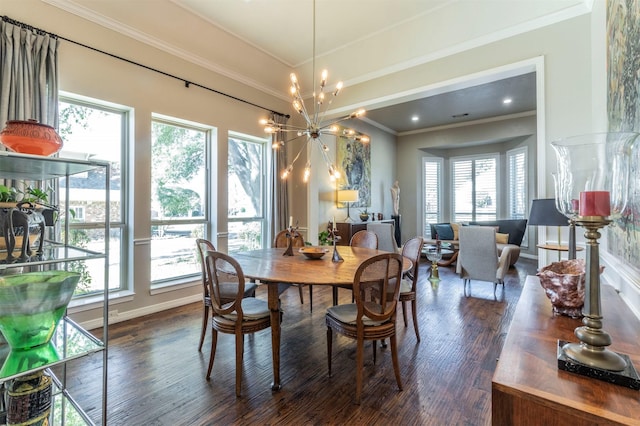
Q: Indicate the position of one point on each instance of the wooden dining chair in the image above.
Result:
(281, 241)
(203, 246)
(369, 318)
(242, 315)
(412, 250)
(363, 238)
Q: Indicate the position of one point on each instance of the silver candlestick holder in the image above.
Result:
(333, 234)
(292, 233)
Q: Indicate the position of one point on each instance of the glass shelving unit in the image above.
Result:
(70, 341)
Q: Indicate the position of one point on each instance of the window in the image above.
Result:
(517, 169)
(179, 198)
(92, 130)
(474, 181)
(247, 192)
(432, 173)
(78, 213)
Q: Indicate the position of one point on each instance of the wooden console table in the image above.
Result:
(347, 229)
(529, 389)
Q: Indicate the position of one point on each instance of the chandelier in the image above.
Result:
(314, 126)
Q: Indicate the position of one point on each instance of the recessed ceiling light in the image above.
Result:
(507, 101)
(415, 118)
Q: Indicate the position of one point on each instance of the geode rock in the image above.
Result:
(564, 283)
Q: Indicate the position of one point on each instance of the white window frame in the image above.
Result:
(512, 156)
(496, 157)
(265, 238)
(205, 220)
(124, 272)
(439, 188)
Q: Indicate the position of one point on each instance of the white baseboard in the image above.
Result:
(115, 316)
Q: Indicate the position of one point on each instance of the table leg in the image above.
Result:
(274, 307)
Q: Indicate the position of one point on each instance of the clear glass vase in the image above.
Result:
(593, 174)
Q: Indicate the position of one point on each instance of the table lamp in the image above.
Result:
(544, 213)
(348, 196)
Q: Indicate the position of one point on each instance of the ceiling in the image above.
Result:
(281, 31)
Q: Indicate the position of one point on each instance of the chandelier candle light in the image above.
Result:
(592, 190)
(314, 126)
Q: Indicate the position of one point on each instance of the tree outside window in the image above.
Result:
(178, 199)
(246, 179)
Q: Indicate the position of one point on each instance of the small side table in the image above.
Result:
(435, 256)
(557, 247)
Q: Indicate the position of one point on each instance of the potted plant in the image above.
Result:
(364, 215)
(323, 238)
(29, 197)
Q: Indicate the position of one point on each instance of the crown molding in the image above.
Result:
(149, 40)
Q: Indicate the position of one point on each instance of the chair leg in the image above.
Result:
(300, 293)
(404, 313)
(359, 368)
(375, 351)
(414, 312)
(214, 342)
(394, 358)
(205, 325)
(329, 344)
(311, 298)
(239, 354)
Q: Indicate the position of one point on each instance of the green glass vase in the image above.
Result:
(32, 304)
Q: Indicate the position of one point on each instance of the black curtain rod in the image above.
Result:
(187, 83)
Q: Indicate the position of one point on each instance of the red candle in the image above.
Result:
(595, 203)
(575, 204)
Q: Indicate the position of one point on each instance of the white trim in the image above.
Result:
(162, 45)
(90, 303)
(115, 316)
(623, 278)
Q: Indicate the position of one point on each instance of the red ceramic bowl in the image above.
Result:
(30, 137)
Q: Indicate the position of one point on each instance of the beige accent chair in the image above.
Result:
(385, 233)
(478, 257)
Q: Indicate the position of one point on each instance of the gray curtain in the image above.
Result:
(279, 192)
(28, 74)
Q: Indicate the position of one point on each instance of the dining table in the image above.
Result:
(271, 266)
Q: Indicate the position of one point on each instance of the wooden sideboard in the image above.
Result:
(347, 229)
(529, 389)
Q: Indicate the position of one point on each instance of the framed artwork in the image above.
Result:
(353, 160)
(623, 107)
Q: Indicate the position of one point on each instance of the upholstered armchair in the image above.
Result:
(385, 232)
(478, 257)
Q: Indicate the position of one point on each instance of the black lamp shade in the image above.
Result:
(544, 213)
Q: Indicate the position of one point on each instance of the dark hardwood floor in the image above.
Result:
(157, 376)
